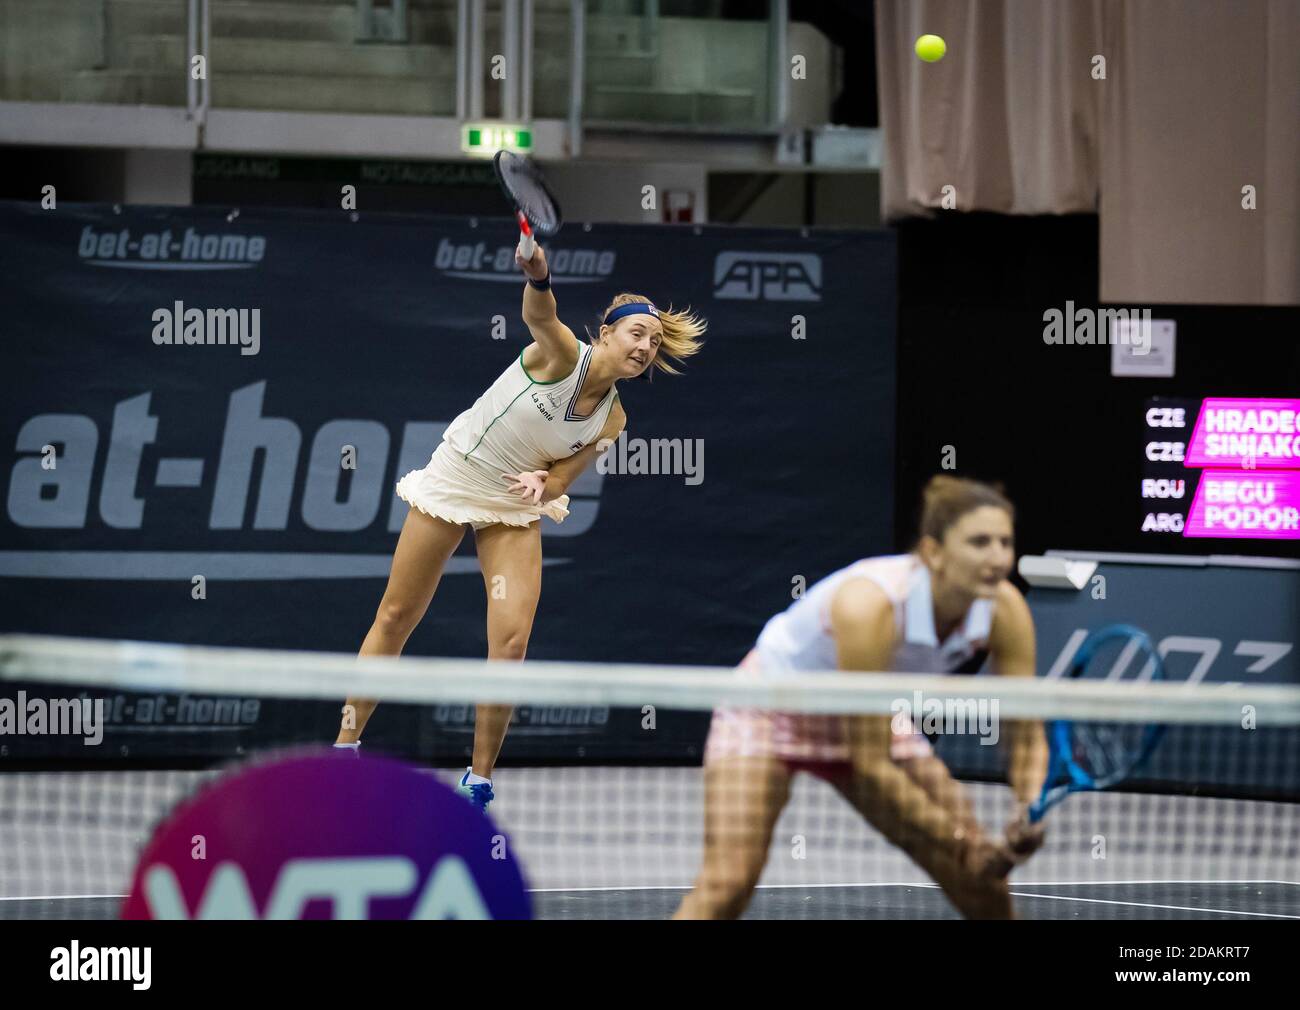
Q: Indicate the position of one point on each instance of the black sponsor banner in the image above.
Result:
(181, 387)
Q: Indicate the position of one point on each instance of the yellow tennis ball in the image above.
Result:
(930, 48)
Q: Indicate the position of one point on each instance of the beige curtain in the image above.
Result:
(1201, 98)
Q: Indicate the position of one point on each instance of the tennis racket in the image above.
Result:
(535, 206)
(1098, 755)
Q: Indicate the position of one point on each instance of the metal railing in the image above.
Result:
(199, 35)
(577, 76)
(517, 21)
(627, 67)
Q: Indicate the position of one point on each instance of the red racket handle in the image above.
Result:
(526, 242)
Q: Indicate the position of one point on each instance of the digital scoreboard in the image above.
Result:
(1221, 467)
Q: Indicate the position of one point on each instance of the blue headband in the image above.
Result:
(630, 309)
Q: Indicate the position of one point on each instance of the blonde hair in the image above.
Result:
(682, 331)
(946, 499)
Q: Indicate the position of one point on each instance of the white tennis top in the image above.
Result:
(522, 424)
(800, 638)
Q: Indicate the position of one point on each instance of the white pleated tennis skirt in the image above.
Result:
(467, 492)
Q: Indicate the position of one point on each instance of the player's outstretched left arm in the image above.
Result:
(1013, 651)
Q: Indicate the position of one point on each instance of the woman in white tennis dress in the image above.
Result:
(944, 608)
(502, 465)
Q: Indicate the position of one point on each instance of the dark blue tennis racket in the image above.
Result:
(535, 206)
(1098, 755)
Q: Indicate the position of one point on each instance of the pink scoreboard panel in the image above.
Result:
(1222, 468)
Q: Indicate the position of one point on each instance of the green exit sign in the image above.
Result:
(487, 138)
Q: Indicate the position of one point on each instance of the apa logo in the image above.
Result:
(348, 884)
(768, 276)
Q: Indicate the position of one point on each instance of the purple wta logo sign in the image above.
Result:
(325, 837)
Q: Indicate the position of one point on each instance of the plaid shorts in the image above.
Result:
(795, 737)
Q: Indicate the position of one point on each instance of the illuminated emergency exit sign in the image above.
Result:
(487, 138)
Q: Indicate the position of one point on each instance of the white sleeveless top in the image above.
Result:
(522, 424)
(800, 638)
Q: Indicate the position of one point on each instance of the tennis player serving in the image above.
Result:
(944, 608)
(502, 465)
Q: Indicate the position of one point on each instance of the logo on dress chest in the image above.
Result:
(540, 402)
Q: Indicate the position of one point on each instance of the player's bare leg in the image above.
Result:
(511, 560)
(423, 548)
(743, 797)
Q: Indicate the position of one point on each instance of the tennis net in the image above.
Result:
(602, 795)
